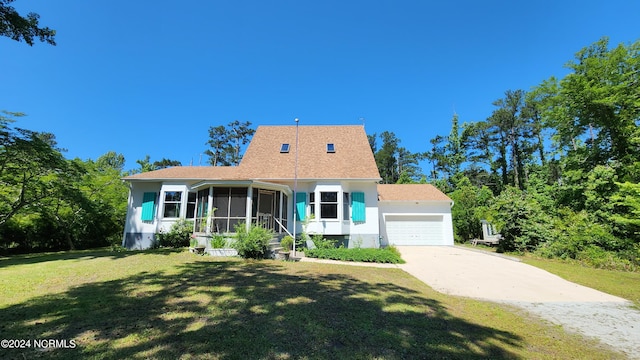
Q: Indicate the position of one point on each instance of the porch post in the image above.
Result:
(248, 211)
(209, 219)
(280, 210)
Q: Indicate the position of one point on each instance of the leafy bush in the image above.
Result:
(580, 237)
(287, 243)
(178, 236)
(321, 243)
(470, 206)
(251, 244)
(118, 248)
(218, 241)
(301, 243)
(575, 232)
(521, 221)
(393, 249)
(193, 242)
(385, 255)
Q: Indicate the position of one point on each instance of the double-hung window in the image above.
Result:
(172, 200)
(328, 204)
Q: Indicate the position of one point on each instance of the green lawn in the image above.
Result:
(173, 304)
(624, 284)
(619, 283)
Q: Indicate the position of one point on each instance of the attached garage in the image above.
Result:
(415, 230)
(414, 214)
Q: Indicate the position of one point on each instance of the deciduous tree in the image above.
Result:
(23, 28)
(226, 142)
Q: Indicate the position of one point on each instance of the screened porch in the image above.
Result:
(219, 209)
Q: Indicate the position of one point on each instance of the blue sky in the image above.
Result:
(150, 77)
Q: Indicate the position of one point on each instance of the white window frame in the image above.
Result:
(166, 202)
(336, 203)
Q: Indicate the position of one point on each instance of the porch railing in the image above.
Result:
(283, 227)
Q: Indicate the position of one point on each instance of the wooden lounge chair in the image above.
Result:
(489, 235)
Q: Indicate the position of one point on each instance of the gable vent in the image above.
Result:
(331, 148)
(284, 148)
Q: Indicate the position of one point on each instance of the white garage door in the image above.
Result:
(414, 230)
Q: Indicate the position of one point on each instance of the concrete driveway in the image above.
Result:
(465, 272)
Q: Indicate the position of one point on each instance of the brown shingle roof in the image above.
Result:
(410, 192)
(191, 173)
(353, 158)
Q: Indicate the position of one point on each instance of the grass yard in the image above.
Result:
(173, 304)
(624, 284)
(619, 283)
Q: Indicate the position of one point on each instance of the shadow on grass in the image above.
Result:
(78, 254)
(248, 310)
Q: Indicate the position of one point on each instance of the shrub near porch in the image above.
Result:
(252, 243)
(383, 255)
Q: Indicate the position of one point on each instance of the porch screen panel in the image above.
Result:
(221, 214)
(221, 225)
(233, 223)
(254, 204)
(301, 205)
(358, 209)
(238, 203)
(221, 202)
(203, 203)
(148, 206)
(202, 210)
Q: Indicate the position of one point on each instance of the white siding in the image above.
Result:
(360, 234)
(134, 227)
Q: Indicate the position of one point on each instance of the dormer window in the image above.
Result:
(284, 148)
(331, 148)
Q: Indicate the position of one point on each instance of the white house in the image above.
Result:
(332, 184)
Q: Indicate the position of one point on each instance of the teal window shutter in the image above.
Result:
(148, 206)
(301, 206)
(358, 209)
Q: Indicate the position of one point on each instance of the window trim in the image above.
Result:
(165, 202)
(312, 204)
(331, 148)
(335, 203)
(345, 206)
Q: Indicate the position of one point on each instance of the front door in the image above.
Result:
(266, 208)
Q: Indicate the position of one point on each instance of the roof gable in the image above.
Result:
(351, 157)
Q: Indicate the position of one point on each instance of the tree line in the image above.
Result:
(51, 203)
(556, 168)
